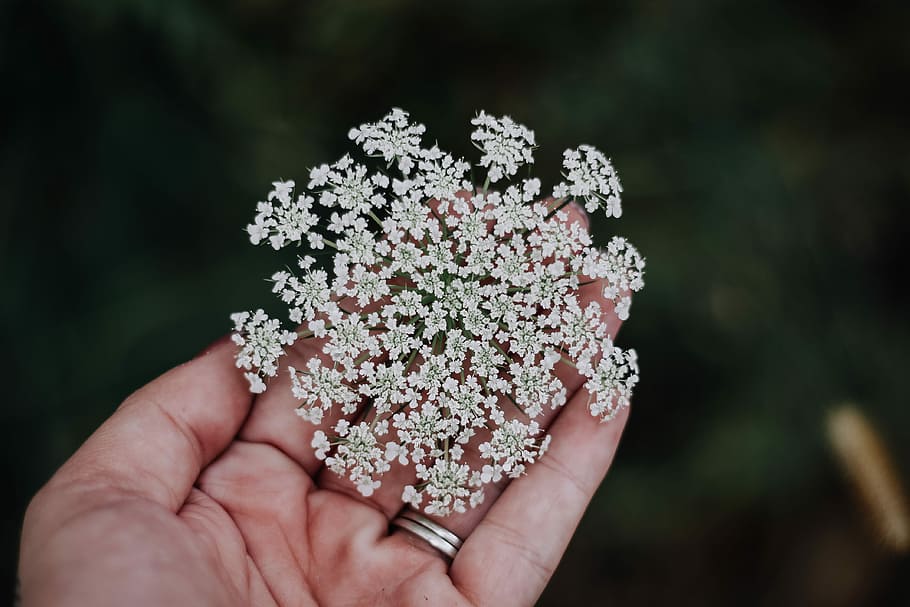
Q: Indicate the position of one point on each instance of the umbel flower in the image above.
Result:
(446, 309)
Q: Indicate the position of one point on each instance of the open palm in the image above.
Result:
(194, 493)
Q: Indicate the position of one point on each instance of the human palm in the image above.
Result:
(192, 493)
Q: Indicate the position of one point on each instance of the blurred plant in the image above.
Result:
(864, 457)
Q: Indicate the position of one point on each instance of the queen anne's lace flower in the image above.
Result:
(261, 340)
(286, 222)
(446, 310)
(392, 138)
(590, 176)
(506, 145)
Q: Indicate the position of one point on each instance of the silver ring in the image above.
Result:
(433, 526)
(429, 531)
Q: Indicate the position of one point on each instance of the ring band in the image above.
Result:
(429, 531)
(433, 526)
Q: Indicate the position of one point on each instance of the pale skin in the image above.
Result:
(195, 492)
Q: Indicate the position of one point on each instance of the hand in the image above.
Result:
(194, 493)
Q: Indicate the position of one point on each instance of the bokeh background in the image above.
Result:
(764, 151)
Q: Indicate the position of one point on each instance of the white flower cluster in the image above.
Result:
(590, 176)
(447, 309)
(392, 137)
(506, 145)
(261, 340)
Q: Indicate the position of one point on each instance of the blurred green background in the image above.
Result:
(764, 151)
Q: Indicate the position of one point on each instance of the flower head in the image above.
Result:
(591, 177)
(447, 309)
(506, 145)
(393, 138)
(261, 340)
